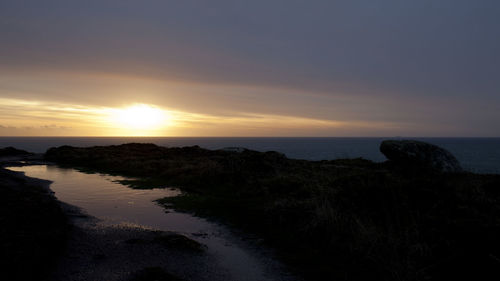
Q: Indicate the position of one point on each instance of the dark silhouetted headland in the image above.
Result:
(11, 152)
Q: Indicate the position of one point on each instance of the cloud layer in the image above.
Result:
(431, 67)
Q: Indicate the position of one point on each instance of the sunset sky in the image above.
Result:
(250, 68)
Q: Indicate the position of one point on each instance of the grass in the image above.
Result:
(348, 219)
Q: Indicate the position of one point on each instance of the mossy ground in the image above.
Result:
(348, 219)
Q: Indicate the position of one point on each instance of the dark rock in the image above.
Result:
(170, 240)
(135, 241)
(177, 241)
(34, 227)
(234, 149)
(421, 154)
(154, 274)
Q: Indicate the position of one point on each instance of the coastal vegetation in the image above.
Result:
(346, 219)
(12, 152)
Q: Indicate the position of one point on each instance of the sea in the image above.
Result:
(480, 155)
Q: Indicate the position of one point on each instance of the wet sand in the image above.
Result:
(101, 252)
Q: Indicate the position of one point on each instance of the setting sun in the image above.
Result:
(140, 117)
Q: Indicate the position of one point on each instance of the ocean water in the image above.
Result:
(481, 155)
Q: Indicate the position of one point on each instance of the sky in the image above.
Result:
(250, 68)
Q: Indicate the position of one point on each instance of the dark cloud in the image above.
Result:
(435, 47)
(393, 51)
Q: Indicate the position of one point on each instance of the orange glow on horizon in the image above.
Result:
(41, 118)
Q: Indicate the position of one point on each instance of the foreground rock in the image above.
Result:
(154, 273)
(411, 153)
(33, 227)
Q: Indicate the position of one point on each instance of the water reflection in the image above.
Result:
(98, 195)
(102, 196)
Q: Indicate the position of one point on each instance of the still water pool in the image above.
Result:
(102, 196)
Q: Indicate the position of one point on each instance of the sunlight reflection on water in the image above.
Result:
(102, 196)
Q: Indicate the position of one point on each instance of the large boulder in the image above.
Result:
(411, 153)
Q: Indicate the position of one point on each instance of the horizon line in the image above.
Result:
(318, 137)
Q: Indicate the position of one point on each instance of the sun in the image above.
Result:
(140, 117)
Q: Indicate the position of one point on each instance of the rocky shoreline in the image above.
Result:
(411, 218)
(414, 217)
(127, 252)
(34, 227)
(90, 249)
(66, 244)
